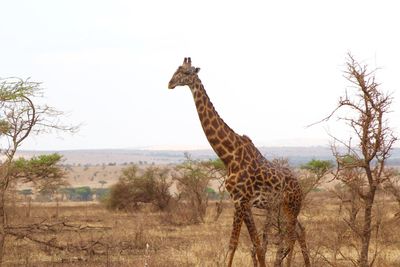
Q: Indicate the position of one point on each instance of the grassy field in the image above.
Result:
(89, 235)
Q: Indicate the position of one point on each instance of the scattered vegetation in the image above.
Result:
(356, 219)
(131, 239)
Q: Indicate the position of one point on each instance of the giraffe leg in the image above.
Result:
(264, 243)
(287, 245)
(254, 257)
(289, 258)
(267, 226)
(233, 243)
(251, 227)
(301, 237)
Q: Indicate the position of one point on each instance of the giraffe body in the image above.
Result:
(252, 179)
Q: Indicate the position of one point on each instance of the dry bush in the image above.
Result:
(392, 186)
(331, 240)
(179, 213)
(135, 186)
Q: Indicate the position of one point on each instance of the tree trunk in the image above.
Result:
(366, 230)
(218, 209)
(2, 225)
(29, 203)
(57, 207)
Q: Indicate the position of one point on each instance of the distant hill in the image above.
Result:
(90, 167)
(296, 155)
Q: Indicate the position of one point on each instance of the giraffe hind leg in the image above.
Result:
(301, 237)
(264, 244)
(285, 247)
(288, 239)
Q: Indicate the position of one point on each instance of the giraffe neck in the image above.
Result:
(221, 137)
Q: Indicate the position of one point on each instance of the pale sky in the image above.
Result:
(269, 67)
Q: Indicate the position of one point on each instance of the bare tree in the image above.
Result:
(362, 165)
(20, 117)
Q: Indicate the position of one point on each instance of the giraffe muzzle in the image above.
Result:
(171, 86)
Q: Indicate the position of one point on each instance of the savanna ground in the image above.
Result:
(90, 235)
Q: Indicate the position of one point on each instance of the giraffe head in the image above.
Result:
(184, 75)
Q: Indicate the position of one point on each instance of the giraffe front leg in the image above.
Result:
(237, 224)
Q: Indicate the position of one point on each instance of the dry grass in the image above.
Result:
(174, 244)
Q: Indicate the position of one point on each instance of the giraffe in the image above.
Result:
(252, 180)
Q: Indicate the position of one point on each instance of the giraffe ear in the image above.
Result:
(197, 70)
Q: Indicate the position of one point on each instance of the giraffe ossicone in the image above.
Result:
(252, 181)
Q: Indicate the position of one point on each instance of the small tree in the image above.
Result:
(44, 172)
(362, 167)
(192, 179)
(316, 171)
(26, 193)
(102, 182)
